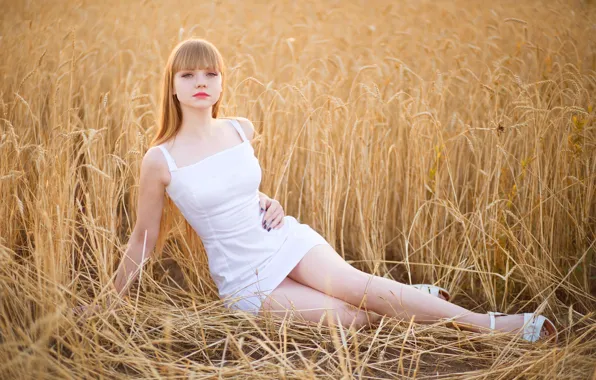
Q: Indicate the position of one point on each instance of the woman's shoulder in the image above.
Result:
(154, 156)
(154, 161)
(247, 126)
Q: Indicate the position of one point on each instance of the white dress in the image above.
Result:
(219, 197)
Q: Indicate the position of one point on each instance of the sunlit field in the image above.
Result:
(442, 142)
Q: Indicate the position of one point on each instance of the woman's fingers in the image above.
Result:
(79, 311)
(278, 222)
(85, 310)
(276, 219)
(264, 202)
(273, 220)
(273, 212)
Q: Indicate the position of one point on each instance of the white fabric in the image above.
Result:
(219, 198)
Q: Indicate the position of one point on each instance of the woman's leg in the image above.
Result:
(310, 304)
(325, 270)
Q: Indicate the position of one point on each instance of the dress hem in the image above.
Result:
(249, 300)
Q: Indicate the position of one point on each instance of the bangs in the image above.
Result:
(197, 55)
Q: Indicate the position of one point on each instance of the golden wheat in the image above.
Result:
(442, 142)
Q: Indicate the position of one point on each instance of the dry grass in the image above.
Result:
(447, 142)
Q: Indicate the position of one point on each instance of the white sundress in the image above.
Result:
(219, 198)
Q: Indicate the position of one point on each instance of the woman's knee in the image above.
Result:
(323, 269)
(348, 315)
(312, 305)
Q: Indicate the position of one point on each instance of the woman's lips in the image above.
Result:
(201, 95)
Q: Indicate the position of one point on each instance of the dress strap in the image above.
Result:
(169, 158)
(238, 127)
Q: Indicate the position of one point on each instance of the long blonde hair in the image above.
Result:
(190, 54)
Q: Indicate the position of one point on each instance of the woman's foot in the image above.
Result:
(515, 323)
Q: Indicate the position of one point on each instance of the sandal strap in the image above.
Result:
(431, 289)
(491, 315)
(533, 326)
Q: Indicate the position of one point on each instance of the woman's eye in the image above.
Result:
(185, 75)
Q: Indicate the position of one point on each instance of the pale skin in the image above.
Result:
(322, 281)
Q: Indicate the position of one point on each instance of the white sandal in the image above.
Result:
(433, 290)
(533, 324)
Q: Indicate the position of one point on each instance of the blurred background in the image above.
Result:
(444, 142)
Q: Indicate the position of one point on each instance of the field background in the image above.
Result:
(448, 142)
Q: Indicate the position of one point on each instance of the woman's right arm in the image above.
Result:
(153, 180)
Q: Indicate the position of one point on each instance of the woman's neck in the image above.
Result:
(197, 123)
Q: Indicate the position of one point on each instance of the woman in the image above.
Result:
(261, 260)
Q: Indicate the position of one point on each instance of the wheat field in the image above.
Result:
(445, 142)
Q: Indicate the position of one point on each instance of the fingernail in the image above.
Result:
(269, 229)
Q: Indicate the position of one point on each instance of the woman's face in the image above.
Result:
(188, 83)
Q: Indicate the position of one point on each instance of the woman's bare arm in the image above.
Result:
(153, 179)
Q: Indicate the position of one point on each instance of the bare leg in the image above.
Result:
(325, 270)
(311, 305)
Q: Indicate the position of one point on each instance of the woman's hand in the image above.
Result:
(86, 311)
(274, 213)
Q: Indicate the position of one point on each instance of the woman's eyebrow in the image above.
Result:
(191, 70)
